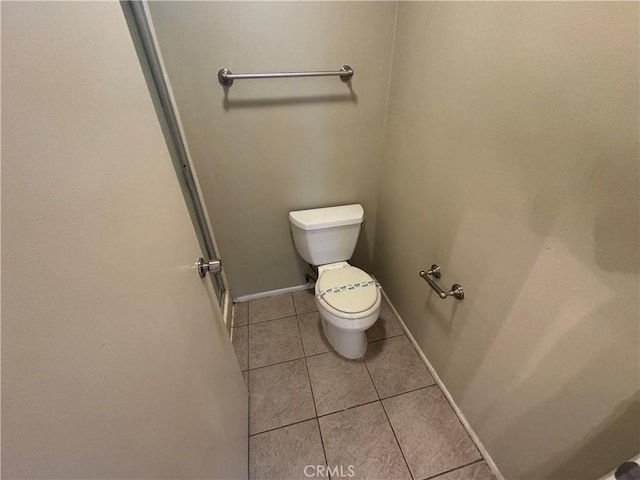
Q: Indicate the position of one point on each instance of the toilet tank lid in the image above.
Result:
(317, 218)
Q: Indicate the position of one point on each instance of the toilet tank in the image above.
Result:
(326, 235)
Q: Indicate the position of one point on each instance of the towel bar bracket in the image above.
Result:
(223, 77)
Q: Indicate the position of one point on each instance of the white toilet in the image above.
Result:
(348, 299)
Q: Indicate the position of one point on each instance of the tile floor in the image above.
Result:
(381, 417)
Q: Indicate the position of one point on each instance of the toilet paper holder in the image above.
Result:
(456, 290)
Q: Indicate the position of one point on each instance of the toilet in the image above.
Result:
(347, 298)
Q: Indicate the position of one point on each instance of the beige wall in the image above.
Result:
(512, 161)
(115, 358)
(272, 146)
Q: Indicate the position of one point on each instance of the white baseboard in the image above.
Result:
(271, 293)
(483, 451)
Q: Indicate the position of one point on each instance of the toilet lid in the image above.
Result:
(348, 289)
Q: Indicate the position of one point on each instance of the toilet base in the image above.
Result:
(350, 345)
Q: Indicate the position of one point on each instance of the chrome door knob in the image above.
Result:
(213, 266)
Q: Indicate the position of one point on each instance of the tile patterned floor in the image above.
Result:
(381, 417)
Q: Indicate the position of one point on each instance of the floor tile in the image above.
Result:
(274, 341)
(240, 340)
(338, 383)
(245, 375)
(240, 314)
(270, 308)
(279, 395)
(430, 434)
(395, 367)
(477, 471)
(386, 326)
(313, 337)
(284, 453)
(362, 437)
(305, 301)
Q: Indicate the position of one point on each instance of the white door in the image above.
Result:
(115, 358)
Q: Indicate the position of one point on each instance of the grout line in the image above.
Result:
(410, 391)
(373, 341)
(248, 415)
(293, 302)
(248, 302)
(272, 293)
(453, 469)
(248, 348)
(348, 408)
(324, 453)
(316, 354)
(313, 397)
(271, 319)
(388, 421)
(387, 338)
(283, 426)
(397, 441)
(248, 381)
(249, 367)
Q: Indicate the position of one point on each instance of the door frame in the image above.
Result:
(141, 26)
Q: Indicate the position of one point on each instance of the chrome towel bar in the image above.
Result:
(456, 290)
(226, 77)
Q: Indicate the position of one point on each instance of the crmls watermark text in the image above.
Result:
(337, 471)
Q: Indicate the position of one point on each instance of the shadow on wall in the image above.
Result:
(583, 459)
(614, 436)
(228, 103)
(445, 319)
(616, 185)
(591, 451)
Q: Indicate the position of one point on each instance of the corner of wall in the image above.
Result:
(386, 118)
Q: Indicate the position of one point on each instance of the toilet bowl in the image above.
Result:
(347, 298)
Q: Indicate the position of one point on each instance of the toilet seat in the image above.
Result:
(347, 291)
(336, 291)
